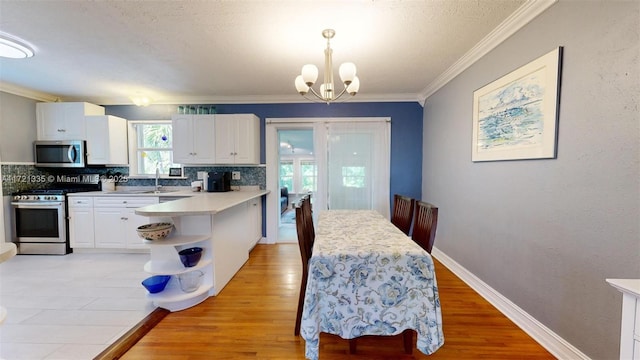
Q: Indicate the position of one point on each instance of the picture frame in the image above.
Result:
(516, 116)
(175, 172)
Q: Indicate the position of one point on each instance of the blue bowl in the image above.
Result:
(190, 256)
(156, 283)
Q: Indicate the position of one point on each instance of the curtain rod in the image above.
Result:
(325, 120)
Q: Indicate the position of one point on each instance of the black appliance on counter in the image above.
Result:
(39, 217)
(219, 181)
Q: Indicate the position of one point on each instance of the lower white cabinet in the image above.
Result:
(255, 221)
(81, 232)
(115, 221)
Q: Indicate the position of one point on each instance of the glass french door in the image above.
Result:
(352, 157)
(357, 163)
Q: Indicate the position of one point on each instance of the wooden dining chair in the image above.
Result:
(305, 242)
(407, 342)
(305, 204)
(402, 214)
(424, 225)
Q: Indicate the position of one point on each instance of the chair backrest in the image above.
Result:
(304, 241)
(305, 204)
(402, 214)
(424, 225)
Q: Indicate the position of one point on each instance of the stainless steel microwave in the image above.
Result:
(63, 153)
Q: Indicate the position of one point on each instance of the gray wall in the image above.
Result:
(546, 233)
(17, 128)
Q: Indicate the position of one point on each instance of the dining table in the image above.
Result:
(366, 277)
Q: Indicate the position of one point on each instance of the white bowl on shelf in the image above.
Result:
(155, 231)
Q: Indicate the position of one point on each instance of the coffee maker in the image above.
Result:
(219, 181)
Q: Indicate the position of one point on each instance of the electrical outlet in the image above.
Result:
(202, 175)
(235, 175)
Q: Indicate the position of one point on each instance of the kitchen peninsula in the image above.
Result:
(222, 224)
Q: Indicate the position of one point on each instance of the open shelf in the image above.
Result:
(159, 267)
(175, 240)
(173, 298)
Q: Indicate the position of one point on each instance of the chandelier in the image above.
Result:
(327, 93)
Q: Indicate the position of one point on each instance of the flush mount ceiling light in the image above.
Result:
(141, 100)
(327, 93)
(14, 48)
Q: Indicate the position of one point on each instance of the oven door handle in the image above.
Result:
(41, 205)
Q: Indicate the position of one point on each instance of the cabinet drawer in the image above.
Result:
(79, 202)
(125, 202)
(636, 332)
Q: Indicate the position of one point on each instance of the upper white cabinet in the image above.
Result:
(193, 137)
(64, 121)
(106, 140)
(237, 139)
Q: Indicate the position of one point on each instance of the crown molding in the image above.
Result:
(282, 99)
(27, 93)
(516, 21)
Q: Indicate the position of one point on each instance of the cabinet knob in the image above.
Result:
(124, 218)
(61, 130)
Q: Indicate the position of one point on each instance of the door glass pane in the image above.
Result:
(309, 174)
(286, 174)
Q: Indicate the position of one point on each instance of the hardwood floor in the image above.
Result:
(253, 318)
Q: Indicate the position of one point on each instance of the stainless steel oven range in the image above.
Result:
(39, 217)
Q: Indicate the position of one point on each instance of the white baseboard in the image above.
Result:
(556, 345)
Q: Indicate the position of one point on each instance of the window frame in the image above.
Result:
(297, 161)
(132, 134)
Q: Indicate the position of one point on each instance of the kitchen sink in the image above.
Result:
(158, 191)
(143, 191)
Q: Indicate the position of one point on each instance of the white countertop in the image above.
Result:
(167, 192)
(7, 251)
(203, 203)
(629, 286)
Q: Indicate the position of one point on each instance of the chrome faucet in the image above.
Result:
(157, 176)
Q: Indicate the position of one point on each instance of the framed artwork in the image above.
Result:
(175, 172)
(516, 116)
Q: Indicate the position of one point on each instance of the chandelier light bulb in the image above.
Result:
(347, 72)
(354, 86)
(310, 74)
(301, 86)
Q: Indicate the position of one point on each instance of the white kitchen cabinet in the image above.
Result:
(237, 139)
(81, 233)
(64, 121)
(193, 137)
(106, 140)
(255, 221)
(115, 221)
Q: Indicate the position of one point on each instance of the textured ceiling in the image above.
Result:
(237, 51)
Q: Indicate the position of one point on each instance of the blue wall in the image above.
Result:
(406, 129)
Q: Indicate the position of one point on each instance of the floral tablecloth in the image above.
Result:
(366, 277)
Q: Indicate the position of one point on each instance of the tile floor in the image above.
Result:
(69, 307)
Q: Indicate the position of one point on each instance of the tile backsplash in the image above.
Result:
(26, 177)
